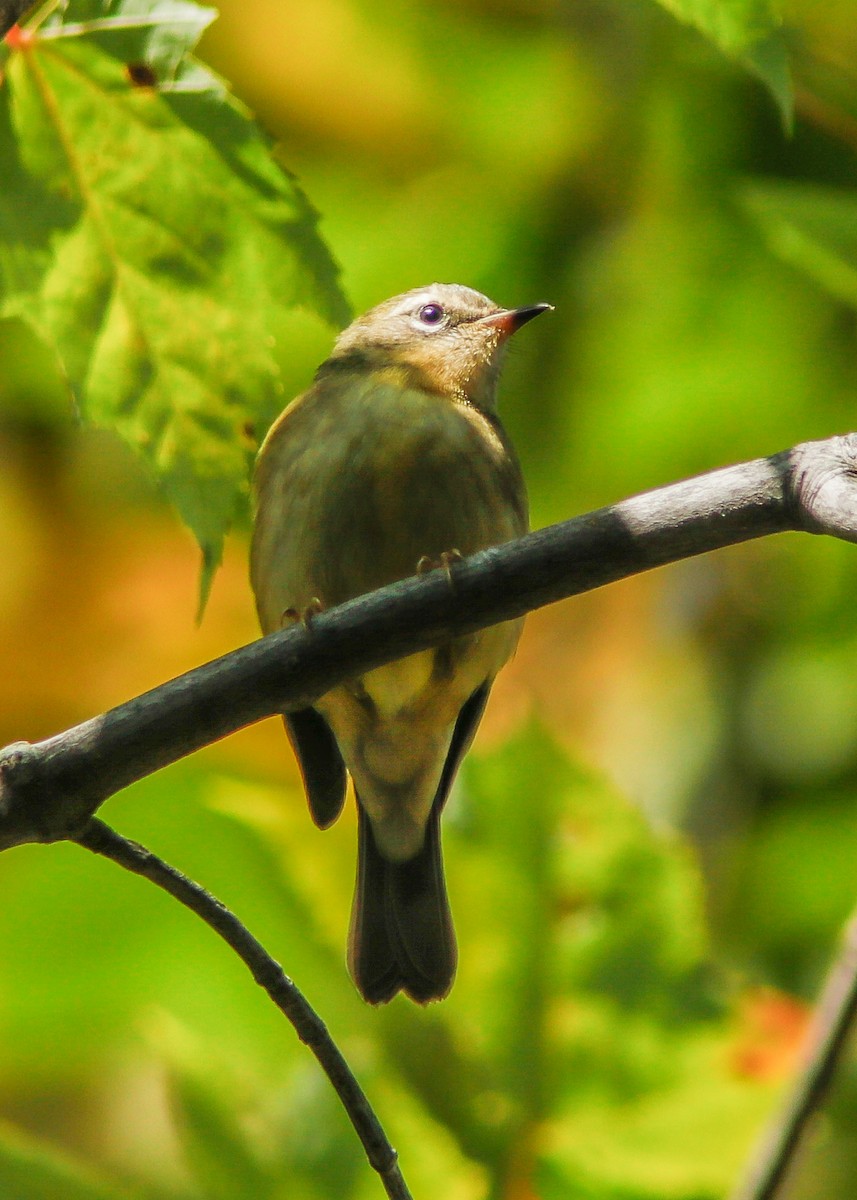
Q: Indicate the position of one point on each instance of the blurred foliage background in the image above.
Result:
(652, 848)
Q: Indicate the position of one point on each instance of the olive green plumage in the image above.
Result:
(394, 455)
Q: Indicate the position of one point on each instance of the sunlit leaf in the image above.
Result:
(734, 25)
(151, 238)
(749, 31)
(157, 33)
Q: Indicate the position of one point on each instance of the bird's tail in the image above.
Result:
(401, 935)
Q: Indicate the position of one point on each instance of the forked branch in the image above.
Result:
(49, 790)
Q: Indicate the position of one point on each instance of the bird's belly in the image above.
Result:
(433, 685)
(395, 725)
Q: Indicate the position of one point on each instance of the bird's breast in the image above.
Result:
(360, 481)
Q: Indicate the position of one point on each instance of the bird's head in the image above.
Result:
(443, 338)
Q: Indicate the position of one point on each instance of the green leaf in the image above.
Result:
(811, 226)
(151, 238)
(610, 1036)
(733, 25)
(522, 842)
(159, 33)
(749, 31)
(768, 59)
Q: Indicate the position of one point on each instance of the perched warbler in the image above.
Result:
(395, 458)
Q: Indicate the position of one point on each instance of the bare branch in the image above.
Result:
(312, 1031)
(48, 791)
(834, 1021)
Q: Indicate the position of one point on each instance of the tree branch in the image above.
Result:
(312, 1031)
(49, 790)
(11, 12)
(834, 1020)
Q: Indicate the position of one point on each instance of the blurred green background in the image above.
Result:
(652, 849)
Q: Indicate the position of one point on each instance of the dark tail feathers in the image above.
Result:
(401, 934)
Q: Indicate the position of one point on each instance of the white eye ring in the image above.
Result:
(431, 315)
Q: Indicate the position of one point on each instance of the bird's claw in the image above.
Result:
(291, 616)
(444, 562)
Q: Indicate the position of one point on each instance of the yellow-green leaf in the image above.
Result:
(151, 238)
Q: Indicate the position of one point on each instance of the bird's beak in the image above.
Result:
(510, 320)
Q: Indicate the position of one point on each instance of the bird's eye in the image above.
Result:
(431, 314)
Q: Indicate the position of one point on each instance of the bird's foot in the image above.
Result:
(291, 616)
(444, 563)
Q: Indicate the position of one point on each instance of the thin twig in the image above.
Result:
(48, 791)
(834, 1021)
(101, 839)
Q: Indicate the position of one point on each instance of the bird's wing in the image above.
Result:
(320, 762)
(463, 734)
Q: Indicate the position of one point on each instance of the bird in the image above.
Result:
(393, 462)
